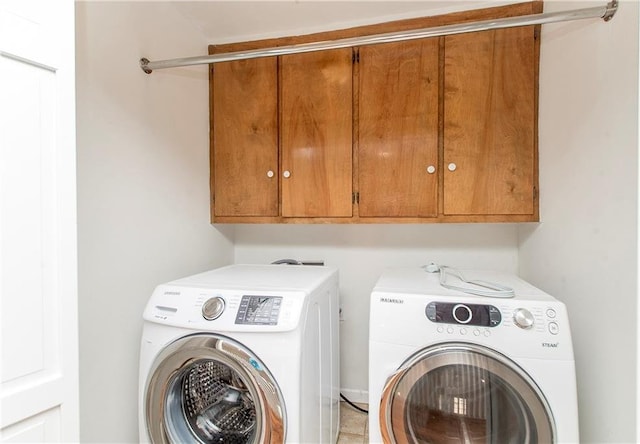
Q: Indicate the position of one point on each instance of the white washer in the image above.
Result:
(242, 354)
(447, 366)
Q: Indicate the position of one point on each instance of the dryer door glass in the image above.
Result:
(464, 393)
(210, 389)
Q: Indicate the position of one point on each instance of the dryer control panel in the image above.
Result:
(465, 314)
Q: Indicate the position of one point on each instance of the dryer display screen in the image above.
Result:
(259, 310)
(465, 314)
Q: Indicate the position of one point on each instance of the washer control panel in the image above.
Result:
(464, 314)
(230, 310)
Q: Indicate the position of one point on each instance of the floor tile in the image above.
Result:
(352, 421)
(349, 438)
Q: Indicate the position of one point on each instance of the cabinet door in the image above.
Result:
(398, 129)
(489, 122)
(245, 138)
(316, 135)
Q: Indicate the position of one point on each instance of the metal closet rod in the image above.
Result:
(605, 12)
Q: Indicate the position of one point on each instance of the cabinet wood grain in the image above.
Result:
(398, 129)
(316, 139)
(489, 110)
(245, 136)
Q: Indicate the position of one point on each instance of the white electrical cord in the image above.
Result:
(480, 288)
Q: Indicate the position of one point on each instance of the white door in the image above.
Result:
(39, 363)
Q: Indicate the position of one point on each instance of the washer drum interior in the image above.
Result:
(211, 389)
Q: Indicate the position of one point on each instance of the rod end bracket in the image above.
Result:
(144, 65)
(612, 7)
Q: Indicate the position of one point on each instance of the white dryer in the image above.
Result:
(242, 354)
(448, 366)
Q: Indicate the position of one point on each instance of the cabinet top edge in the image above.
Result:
(514, 10)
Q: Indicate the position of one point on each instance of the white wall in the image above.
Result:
(361, 252)
(584, 251)
(143, 193)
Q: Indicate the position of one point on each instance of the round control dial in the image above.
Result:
(213, 308)
(523, 318)
(462, 314)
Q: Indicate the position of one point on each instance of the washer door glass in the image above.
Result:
(463, 393)
(211, 401)
(210, 389)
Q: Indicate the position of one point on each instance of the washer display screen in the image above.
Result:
(466, 314)
(259, 310)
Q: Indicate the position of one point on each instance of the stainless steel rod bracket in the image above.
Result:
(612, 7)
(144, 65)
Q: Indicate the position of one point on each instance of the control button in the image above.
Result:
(463, 331)
(449, 330)
(487, 333)
(553, 328)
(440, 329)
(431, 312)
(551, 313)
(495, 317)
(476, 332)
(213, 308)
(523, 318)
(462, 313)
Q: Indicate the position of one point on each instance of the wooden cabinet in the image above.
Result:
(430, 130)
(244, 132)
(315, 129)
(398, 129)
(489, 115)
(299, 167)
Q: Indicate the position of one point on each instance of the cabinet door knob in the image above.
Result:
(452, 166)
(270, 174)
(431, 169)
(286, 174)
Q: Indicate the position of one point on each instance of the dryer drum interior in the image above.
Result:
(209, 389)
(463, 393)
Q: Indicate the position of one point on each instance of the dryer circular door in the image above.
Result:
(457, 392)
(207, 388)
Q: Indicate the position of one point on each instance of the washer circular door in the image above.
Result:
(457, 392)
(208, 388)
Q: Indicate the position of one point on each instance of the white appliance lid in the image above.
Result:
(416, 280)
(275, 277)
